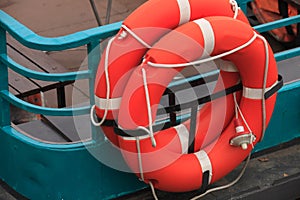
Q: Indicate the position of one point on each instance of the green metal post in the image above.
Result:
(94, 52)
(4, 105)
(243, 5)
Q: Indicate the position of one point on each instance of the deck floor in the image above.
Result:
(266, 177)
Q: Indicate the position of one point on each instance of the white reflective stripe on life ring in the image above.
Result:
(109, 104)
(256, 93)
(204, 162)
(184, 11)
(208, 36)
(226, 66)
(183, 134)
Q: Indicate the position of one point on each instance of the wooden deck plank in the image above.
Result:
(23, 85)
(13, 90)
(38, 62)
(15, 55)
(38, 59)
(76, 128)
(41, 131)
(58, 129)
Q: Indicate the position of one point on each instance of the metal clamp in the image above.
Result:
(243, 140)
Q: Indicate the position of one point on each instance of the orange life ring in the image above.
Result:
(168, 166)
(149, 22)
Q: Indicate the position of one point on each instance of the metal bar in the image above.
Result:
(193, 125)
(55, 128)
(201, 100)
(8, 97)
(193, 81)
(68, 76)
(30, 39)
(108, 11)
(61, 97)
(277, 24)
(4, 105)
(172, 102)
(93, 5)
(206, 76)
(94, 53)
(298, 30)
(283, 55)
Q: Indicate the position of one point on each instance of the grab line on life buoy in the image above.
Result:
(148, 108)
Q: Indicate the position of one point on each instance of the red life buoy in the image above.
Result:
(149, 22)
(168, 166)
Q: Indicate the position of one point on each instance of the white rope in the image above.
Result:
(135, 36)
(235, 106)
(235, 8)
(153, 191)
(138, 147)
(244, 120)
(227, 185)
(107, 87)
(198, 62)
(264, 115)
(150, 131)
(240, 112)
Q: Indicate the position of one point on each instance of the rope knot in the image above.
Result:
(235, 8)
(122, 35)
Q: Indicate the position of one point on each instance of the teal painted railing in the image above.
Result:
(25, 36)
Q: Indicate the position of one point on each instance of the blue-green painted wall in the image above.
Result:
(40, 171)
